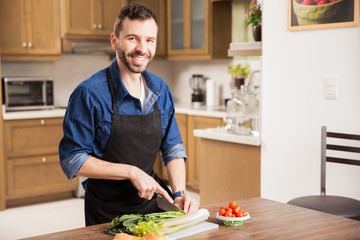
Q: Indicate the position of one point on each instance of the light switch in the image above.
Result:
(330, 87)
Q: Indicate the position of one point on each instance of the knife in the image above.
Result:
(165, 205)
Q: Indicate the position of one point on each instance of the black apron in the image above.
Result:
(134, 140)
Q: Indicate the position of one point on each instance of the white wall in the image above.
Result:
(294, 109)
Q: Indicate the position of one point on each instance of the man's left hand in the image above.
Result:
(187, 203)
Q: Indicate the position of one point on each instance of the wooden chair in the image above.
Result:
(336, 205)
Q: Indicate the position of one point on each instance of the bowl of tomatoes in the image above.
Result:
(318, 11)
(232, 215)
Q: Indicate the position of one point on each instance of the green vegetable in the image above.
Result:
(185, 221)
(145, 227)
(164, 223)
(129, 223)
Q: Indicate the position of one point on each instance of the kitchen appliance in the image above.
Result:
(28, 93)
(197, 83)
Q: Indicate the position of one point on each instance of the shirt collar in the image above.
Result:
(152, 82)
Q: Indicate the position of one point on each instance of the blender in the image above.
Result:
(197, 83)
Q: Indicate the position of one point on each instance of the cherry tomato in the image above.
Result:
(238, 214)
(222, 208)
(222, 212)
(244, 213)
(232, 204)
(237, 209)
(228, 214)
(229, 209)
(241, 214)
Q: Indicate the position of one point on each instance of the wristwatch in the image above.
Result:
(181, 193)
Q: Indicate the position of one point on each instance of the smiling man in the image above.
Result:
(116, 123)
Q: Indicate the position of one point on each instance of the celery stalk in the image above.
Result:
(185, 221)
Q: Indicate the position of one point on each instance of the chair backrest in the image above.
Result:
(325, 146)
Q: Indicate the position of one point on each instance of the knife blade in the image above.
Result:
(165, 205)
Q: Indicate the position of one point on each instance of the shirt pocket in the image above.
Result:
(102, 135)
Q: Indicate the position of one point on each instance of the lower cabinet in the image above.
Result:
(32, 160)
(230, 171)
(187, 124)
(38, 175)
(193, 148)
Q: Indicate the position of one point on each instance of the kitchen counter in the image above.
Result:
(51, 113)
(221, 134)
(269, 220)
(217, 112)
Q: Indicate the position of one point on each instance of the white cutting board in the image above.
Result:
(198, 228)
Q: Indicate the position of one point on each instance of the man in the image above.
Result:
(116, 123)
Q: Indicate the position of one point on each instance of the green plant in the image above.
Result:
(239, 71)
(253, 15)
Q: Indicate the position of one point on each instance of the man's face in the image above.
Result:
(136, 44)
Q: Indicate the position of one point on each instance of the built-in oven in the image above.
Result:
(28, 93)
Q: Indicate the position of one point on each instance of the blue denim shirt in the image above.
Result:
(87, 122)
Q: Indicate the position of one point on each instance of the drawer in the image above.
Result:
(32, 137)
(31, 176)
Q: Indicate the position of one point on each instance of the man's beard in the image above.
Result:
(127, 62)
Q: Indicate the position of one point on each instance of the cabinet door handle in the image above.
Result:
(94, 26)
(24, 45)
(30, 45)
(43, 159)
(99, 26)
(42, 121)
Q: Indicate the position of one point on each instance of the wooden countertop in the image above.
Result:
(269, 220)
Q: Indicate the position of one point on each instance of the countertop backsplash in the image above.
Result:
(74, 68)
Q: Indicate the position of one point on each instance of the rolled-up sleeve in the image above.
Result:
(177, 151)
(77, 143)
(72, 164)
(172, 144)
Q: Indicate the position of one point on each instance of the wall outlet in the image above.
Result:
(331, 87)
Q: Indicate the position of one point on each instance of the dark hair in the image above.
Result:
(133, 11)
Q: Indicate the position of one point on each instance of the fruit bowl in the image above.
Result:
(317, 14)
(233, 221)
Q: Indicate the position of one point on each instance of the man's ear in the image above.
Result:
(113, 41)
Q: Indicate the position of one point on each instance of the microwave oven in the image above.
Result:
(28, 93)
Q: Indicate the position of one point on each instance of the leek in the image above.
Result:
(185, 221)
(164, 223)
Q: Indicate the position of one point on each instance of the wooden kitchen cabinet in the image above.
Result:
(2, 165)
(193, 149)
(32, 161)
(229, 171)
(30, 29)
(198, 29)
(89, 18)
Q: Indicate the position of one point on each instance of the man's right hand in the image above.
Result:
(146, 185)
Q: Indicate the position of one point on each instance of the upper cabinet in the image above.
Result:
(198, 29)
(89, 18)
(30, 29)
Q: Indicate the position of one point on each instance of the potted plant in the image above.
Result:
(239, 73)
(253, 18)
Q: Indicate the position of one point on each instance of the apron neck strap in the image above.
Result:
(112, 91)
